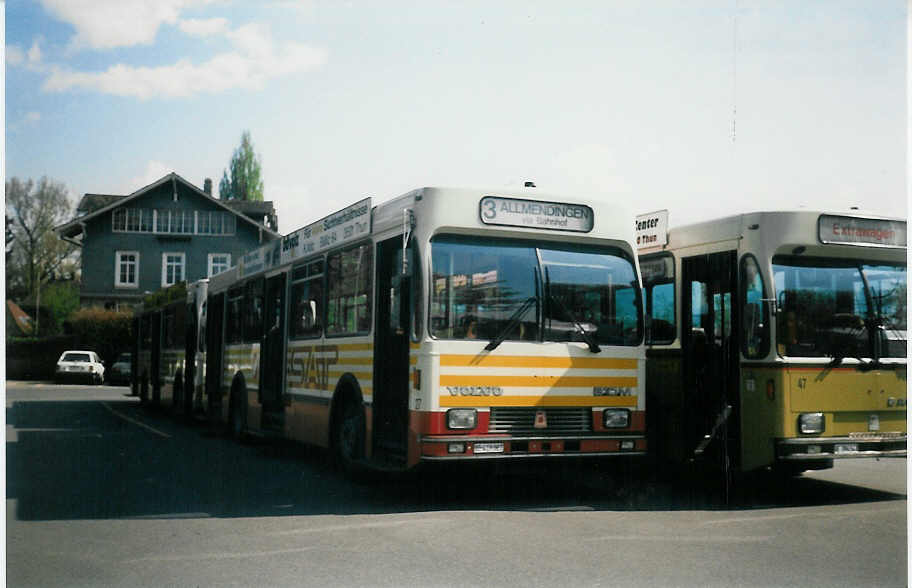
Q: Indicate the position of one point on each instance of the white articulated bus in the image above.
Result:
(169, 351)
(777, 339)
(445, 324)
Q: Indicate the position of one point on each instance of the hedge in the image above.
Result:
(106, 332)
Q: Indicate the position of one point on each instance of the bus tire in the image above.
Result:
(348, 433)
(237, 411)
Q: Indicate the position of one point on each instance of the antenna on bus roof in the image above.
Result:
(529, 185)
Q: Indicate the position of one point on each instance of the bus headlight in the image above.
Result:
(616, 418)
(811, 422)
(462, 418)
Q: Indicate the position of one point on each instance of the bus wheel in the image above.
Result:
(348, 436)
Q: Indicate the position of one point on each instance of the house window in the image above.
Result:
(120, 219)
(218, 262)
(172, 268)
(132, 220)
(173, 221)
(215, 222)
(126, 269)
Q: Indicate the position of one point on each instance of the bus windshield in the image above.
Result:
(840, 308)
(522, 291)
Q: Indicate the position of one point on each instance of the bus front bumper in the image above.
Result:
(452, 447)
(853, 446)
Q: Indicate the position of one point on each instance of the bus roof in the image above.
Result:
(433, 208)
(801, 226)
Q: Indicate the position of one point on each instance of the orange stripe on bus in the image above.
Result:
(450, 401)
(531, 361)
(537, 381)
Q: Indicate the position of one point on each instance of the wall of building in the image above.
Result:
(100, 244)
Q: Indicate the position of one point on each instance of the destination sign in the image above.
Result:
(348, 224)
(849, 230)
(345, 225)
(657, 269)
(652, 229)
(555, 216)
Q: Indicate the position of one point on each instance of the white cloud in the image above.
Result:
(155, 170)
(198, 27)
(34, 54)
(257, 60)
(106, 24)
(15, 55)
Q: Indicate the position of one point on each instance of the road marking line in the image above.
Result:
(360, 526)
(685, 538)
(764, 518)
(236, 555)
(135, 422)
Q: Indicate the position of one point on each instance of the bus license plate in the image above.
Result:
(873, 422)
(846, 448)
(489, 448)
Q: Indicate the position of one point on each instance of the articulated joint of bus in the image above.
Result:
(851, 446)
(451, 447)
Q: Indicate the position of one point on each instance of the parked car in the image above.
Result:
(80, 365)
(120, 371)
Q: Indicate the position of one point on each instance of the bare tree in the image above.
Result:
(37, 252)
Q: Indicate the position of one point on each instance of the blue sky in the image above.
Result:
(632, 101)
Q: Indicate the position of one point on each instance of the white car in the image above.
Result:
(79, 365)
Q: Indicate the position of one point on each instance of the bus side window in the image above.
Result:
(663, 313)
(348, 299)
(306, 309)
(755, 321)
(235, 302)
(253, 311)
(659, 299)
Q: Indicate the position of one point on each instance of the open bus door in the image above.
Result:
(215, 318)
(190, 346)
(391, 352)
(155, 366)
(711, 358)
(273, 355)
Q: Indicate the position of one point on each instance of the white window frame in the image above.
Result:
(117, 262)
(209, 272)
(183, 266)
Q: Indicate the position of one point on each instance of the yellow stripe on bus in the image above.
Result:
(607, 363)
(537, 381)
(355, 360)
(355, 346)
(451, 401)
(359, 375)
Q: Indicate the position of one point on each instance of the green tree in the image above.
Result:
(60, 299)
(37, 253)
(243, 179)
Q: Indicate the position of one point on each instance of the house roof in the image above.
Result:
(92, 202)
(75, 227)
(251, 206)
(20, 318)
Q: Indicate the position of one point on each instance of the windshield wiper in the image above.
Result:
(587, 337)
(514, 320)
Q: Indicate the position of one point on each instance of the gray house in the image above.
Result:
(164, 233)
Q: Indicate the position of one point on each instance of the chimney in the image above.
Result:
(207, 186)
